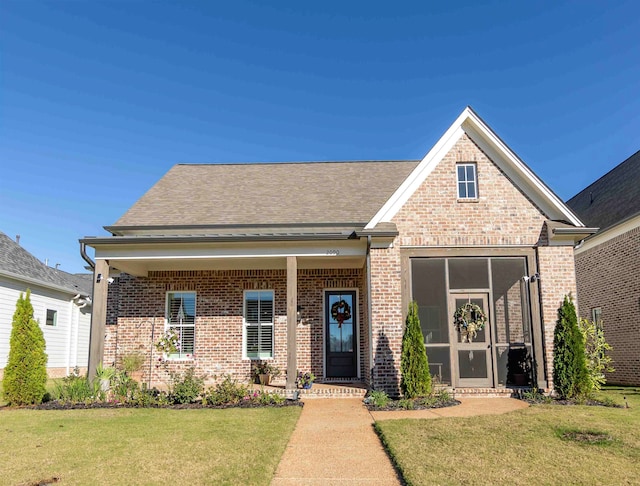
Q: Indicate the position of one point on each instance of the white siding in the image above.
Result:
(60, 339)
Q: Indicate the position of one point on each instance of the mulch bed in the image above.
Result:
(57, 405)
(394, 405)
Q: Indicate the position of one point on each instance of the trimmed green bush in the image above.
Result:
(416, 379)
(25, 376)
(596, 349)
(570, 375)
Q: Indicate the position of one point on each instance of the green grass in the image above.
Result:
(531, 446)
(144, 446)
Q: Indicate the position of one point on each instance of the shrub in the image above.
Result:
(132, 362)
(596, 348)
(25, 375)
(123, 387)
(570, 376)
(227, 392)
(186, 387)
(416, 379)
(78, 389)
(378, 398)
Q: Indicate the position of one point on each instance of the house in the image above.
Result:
(313, 265)
(61, 304)
(608, 264)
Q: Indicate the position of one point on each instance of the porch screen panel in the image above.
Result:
(181, 316)
(429, 290)
(259, 324)
(468, 273)
(512, 320)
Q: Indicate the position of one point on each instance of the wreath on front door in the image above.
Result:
(341, 311)
(468, 320)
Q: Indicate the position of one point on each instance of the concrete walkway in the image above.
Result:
(334, 442)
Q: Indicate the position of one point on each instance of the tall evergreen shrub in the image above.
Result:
(570, 375)
(416, 379)
(25, 376)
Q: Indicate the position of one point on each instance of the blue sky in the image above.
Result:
(98, 99)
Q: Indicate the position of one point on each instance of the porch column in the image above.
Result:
(98, 315)
(292, 320)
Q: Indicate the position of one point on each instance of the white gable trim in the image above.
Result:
(468, 122)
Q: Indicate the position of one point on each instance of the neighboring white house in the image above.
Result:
(61, 304)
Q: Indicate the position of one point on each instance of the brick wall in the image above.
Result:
(433, 217)
(219, 305)
(608, 278)
(558, 278)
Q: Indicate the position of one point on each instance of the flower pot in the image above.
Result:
(519, 379)
(307, 386)
(264, 379)
(105, 384)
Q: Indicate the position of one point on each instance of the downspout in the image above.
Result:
(85, 257)
(369, 307)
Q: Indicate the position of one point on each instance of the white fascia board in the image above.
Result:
(328, 248)
(419, 174)
(468, 122)
(609, 234)
(41, 283)
(517, 170)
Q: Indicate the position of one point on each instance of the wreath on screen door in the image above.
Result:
(341, 311)
(468, 320)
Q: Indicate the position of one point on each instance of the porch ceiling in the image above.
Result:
(141, 259)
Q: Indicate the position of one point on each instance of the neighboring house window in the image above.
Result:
(181, 316)
(596, 316)
(52, 317)
(467, 182)
(258, 324)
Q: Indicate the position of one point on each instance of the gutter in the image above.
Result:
(40, 283)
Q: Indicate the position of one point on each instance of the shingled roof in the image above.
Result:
(268, 194)
(612, 198)
(17, 262)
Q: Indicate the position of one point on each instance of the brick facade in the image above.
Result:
(219, 320)
(433, 217)
(608, 278)
(502, 217)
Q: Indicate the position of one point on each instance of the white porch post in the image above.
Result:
(292, 320)
(98, 315)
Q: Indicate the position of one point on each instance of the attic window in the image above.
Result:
(467, 182)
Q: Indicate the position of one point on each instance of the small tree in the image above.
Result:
(595, 347)
(25, 376)
(570, 376)
(416, 379)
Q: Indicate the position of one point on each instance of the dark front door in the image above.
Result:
(341, 310)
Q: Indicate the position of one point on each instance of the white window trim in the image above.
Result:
(466, 182)
(245, 325)
(169, 357)
(55, 318)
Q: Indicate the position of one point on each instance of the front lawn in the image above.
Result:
(544, 444)
(144, 446)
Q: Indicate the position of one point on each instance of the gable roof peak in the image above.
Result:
(470, 123)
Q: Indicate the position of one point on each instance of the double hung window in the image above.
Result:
(181, 317)
(258, 324)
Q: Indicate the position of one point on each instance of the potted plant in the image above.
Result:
(519, 366)
(263, 371)
(131, 364)
(105, 374)
(305, 380)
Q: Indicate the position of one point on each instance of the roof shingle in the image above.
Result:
(612, 198)
(268, 193)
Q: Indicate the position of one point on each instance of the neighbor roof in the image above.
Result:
(17, 262)
(268, 194)
(612, 198)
